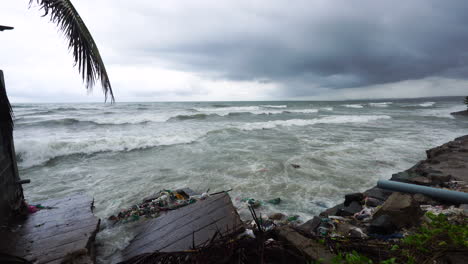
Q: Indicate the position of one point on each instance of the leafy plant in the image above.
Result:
(438, 233)
(466, 101)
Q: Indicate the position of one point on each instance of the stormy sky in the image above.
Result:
(244, 50)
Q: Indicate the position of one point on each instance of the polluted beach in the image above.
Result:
(234, 145)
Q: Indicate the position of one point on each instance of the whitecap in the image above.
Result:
(353, 106)
(274, 106)
(427, 104)
(306, 122)
(382, 104)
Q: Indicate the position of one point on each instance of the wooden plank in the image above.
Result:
(182, 214)
(164, 225)
(50, 234)
(178, 229)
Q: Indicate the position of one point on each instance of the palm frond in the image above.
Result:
(85, 51)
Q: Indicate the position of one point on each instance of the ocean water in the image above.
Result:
(120, 153)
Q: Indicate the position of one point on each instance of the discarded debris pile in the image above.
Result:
(252, 246)
(152, 206)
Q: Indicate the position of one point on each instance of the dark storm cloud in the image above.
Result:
(341, 44)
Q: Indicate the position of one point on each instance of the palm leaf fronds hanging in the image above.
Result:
(85, 51)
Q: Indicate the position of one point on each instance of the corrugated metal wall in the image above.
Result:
(11, 192)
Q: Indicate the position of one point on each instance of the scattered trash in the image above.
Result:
(365, 214)
(296, 166)
(36, 207)
(275, 201)
(248, 233)
(151, 207)
(293, 218)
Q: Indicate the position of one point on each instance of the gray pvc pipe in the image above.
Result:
(446, 195)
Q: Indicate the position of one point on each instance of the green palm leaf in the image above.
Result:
(85, 51)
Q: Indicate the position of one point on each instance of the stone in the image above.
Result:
(424, 199)
(404, 176)
(439, 179)
(332, 211)
(354, 207)
(420, 180)
(276, 216)
(402, 209)
(311, 248)
(358, 197)
(373, 202)
(378, 193)
(310, 226)
(383, 224)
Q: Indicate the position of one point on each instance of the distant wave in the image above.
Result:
(326, 109)
(274, 106)
(353, 106)
(307, 122)
(194, 116)
(427, 104)
(382, 104)
(303, 111)
(74, 121)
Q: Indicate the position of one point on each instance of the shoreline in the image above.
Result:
(378, 214)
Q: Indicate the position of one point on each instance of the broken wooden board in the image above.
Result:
(55, 235)
(185, 227)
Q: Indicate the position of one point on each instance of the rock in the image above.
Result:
(354, 207)
(378, 193)
(309, 247)
(423, 199)
(402, 209)
(439, 179)
(383, 224)
(276, 216)
(460, 113)
(332, 211)
(420, 180)
(310, 226)
(373, 202)
(404, 176)
(358, 197)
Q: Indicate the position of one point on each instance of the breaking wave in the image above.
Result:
(353, 106)
(32, 152)
(302, 111)
(307, 122)
(382, 104)
(427, 104)
(274, 106)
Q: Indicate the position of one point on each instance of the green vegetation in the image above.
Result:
(466, 101)
(431, 240)
(438, 235)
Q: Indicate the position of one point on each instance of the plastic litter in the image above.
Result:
(275, 201)
(365, 214)
(247, 232)
(151, 207)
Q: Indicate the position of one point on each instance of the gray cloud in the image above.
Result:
(341, 45)
(245, 50)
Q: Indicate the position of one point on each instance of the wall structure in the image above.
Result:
(11, 192)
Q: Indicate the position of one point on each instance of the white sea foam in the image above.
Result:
(307, 122)
(274, 106)
(427, 104)
(353, 106)
(326, 109)
(303, 111)
(34, 151)
(382, 104)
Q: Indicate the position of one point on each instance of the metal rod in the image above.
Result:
(441, 194)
